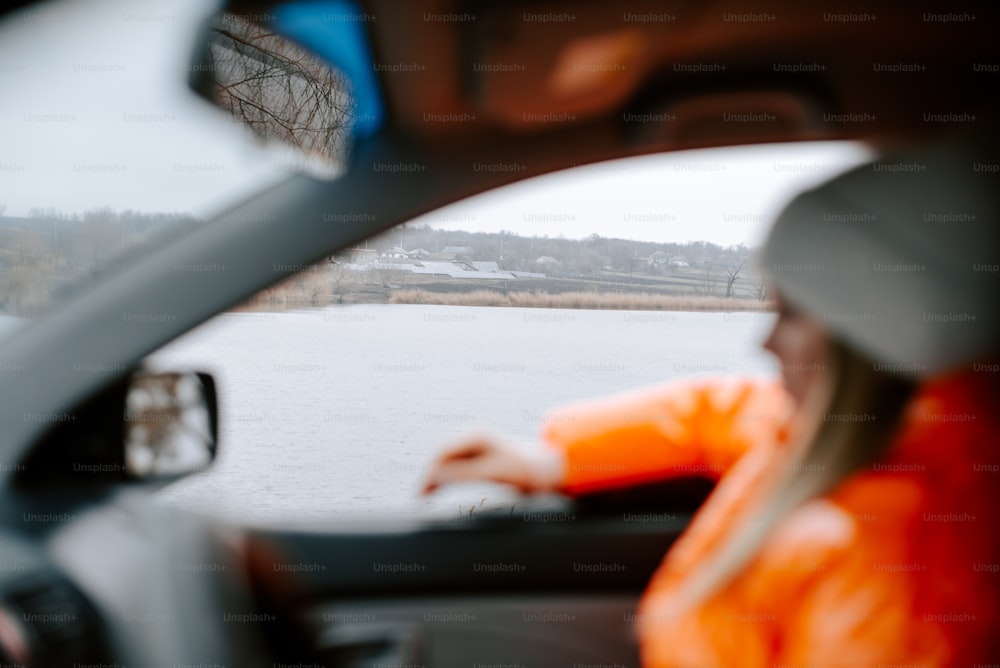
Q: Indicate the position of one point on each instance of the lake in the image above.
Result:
(338, 411)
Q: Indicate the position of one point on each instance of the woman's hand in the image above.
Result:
(489, 459)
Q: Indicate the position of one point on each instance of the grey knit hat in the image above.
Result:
(899, 259)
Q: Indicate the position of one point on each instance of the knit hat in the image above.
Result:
(900, 258)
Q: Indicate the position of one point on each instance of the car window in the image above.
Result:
(339, 385)
(105, 147)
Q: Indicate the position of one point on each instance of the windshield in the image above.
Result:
(105, 148)
(340, 384)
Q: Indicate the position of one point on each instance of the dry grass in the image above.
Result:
(581, 300)
(320, 285)
(308, 288)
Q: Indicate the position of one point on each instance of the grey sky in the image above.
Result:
(97, 113)
(726, 196)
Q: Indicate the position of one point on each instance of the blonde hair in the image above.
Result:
(852, 417)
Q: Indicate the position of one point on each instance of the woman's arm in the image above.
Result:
(683, 428)
(678, 429)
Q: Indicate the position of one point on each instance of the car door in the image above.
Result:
(556, 583)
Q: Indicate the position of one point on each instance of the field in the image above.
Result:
(684, 291)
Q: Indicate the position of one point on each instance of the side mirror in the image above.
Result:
(171, 424)
(148, 427)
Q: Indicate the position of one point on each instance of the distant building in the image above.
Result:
(396, 252)
(679, 261)
(659, 258)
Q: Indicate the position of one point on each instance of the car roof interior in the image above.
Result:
(656, 68)
(533, 74)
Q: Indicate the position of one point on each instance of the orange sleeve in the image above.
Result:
(677, 429)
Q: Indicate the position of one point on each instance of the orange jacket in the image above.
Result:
(897, 566)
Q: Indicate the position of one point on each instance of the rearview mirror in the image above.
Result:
(277, 89)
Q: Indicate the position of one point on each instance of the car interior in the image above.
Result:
(453, 99)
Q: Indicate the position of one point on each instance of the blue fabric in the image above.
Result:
(334, 30)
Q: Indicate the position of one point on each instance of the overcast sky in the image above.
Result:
(726, 196)
(100, 116)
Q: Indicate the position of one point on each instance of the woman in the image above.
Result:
(856, 521)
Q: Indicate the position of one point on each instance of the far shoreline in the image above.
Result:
(284, 299)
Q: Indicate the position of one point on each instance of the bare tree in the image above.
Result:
(732, 273)
(281, 91)
(48, 212)
(28, 248)
(26, 264)
(586, 262)
(23, 290)
(383, 274)
(621, 254)
(761, 290)
(709, 279)
(96, 238)
(341, 281)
